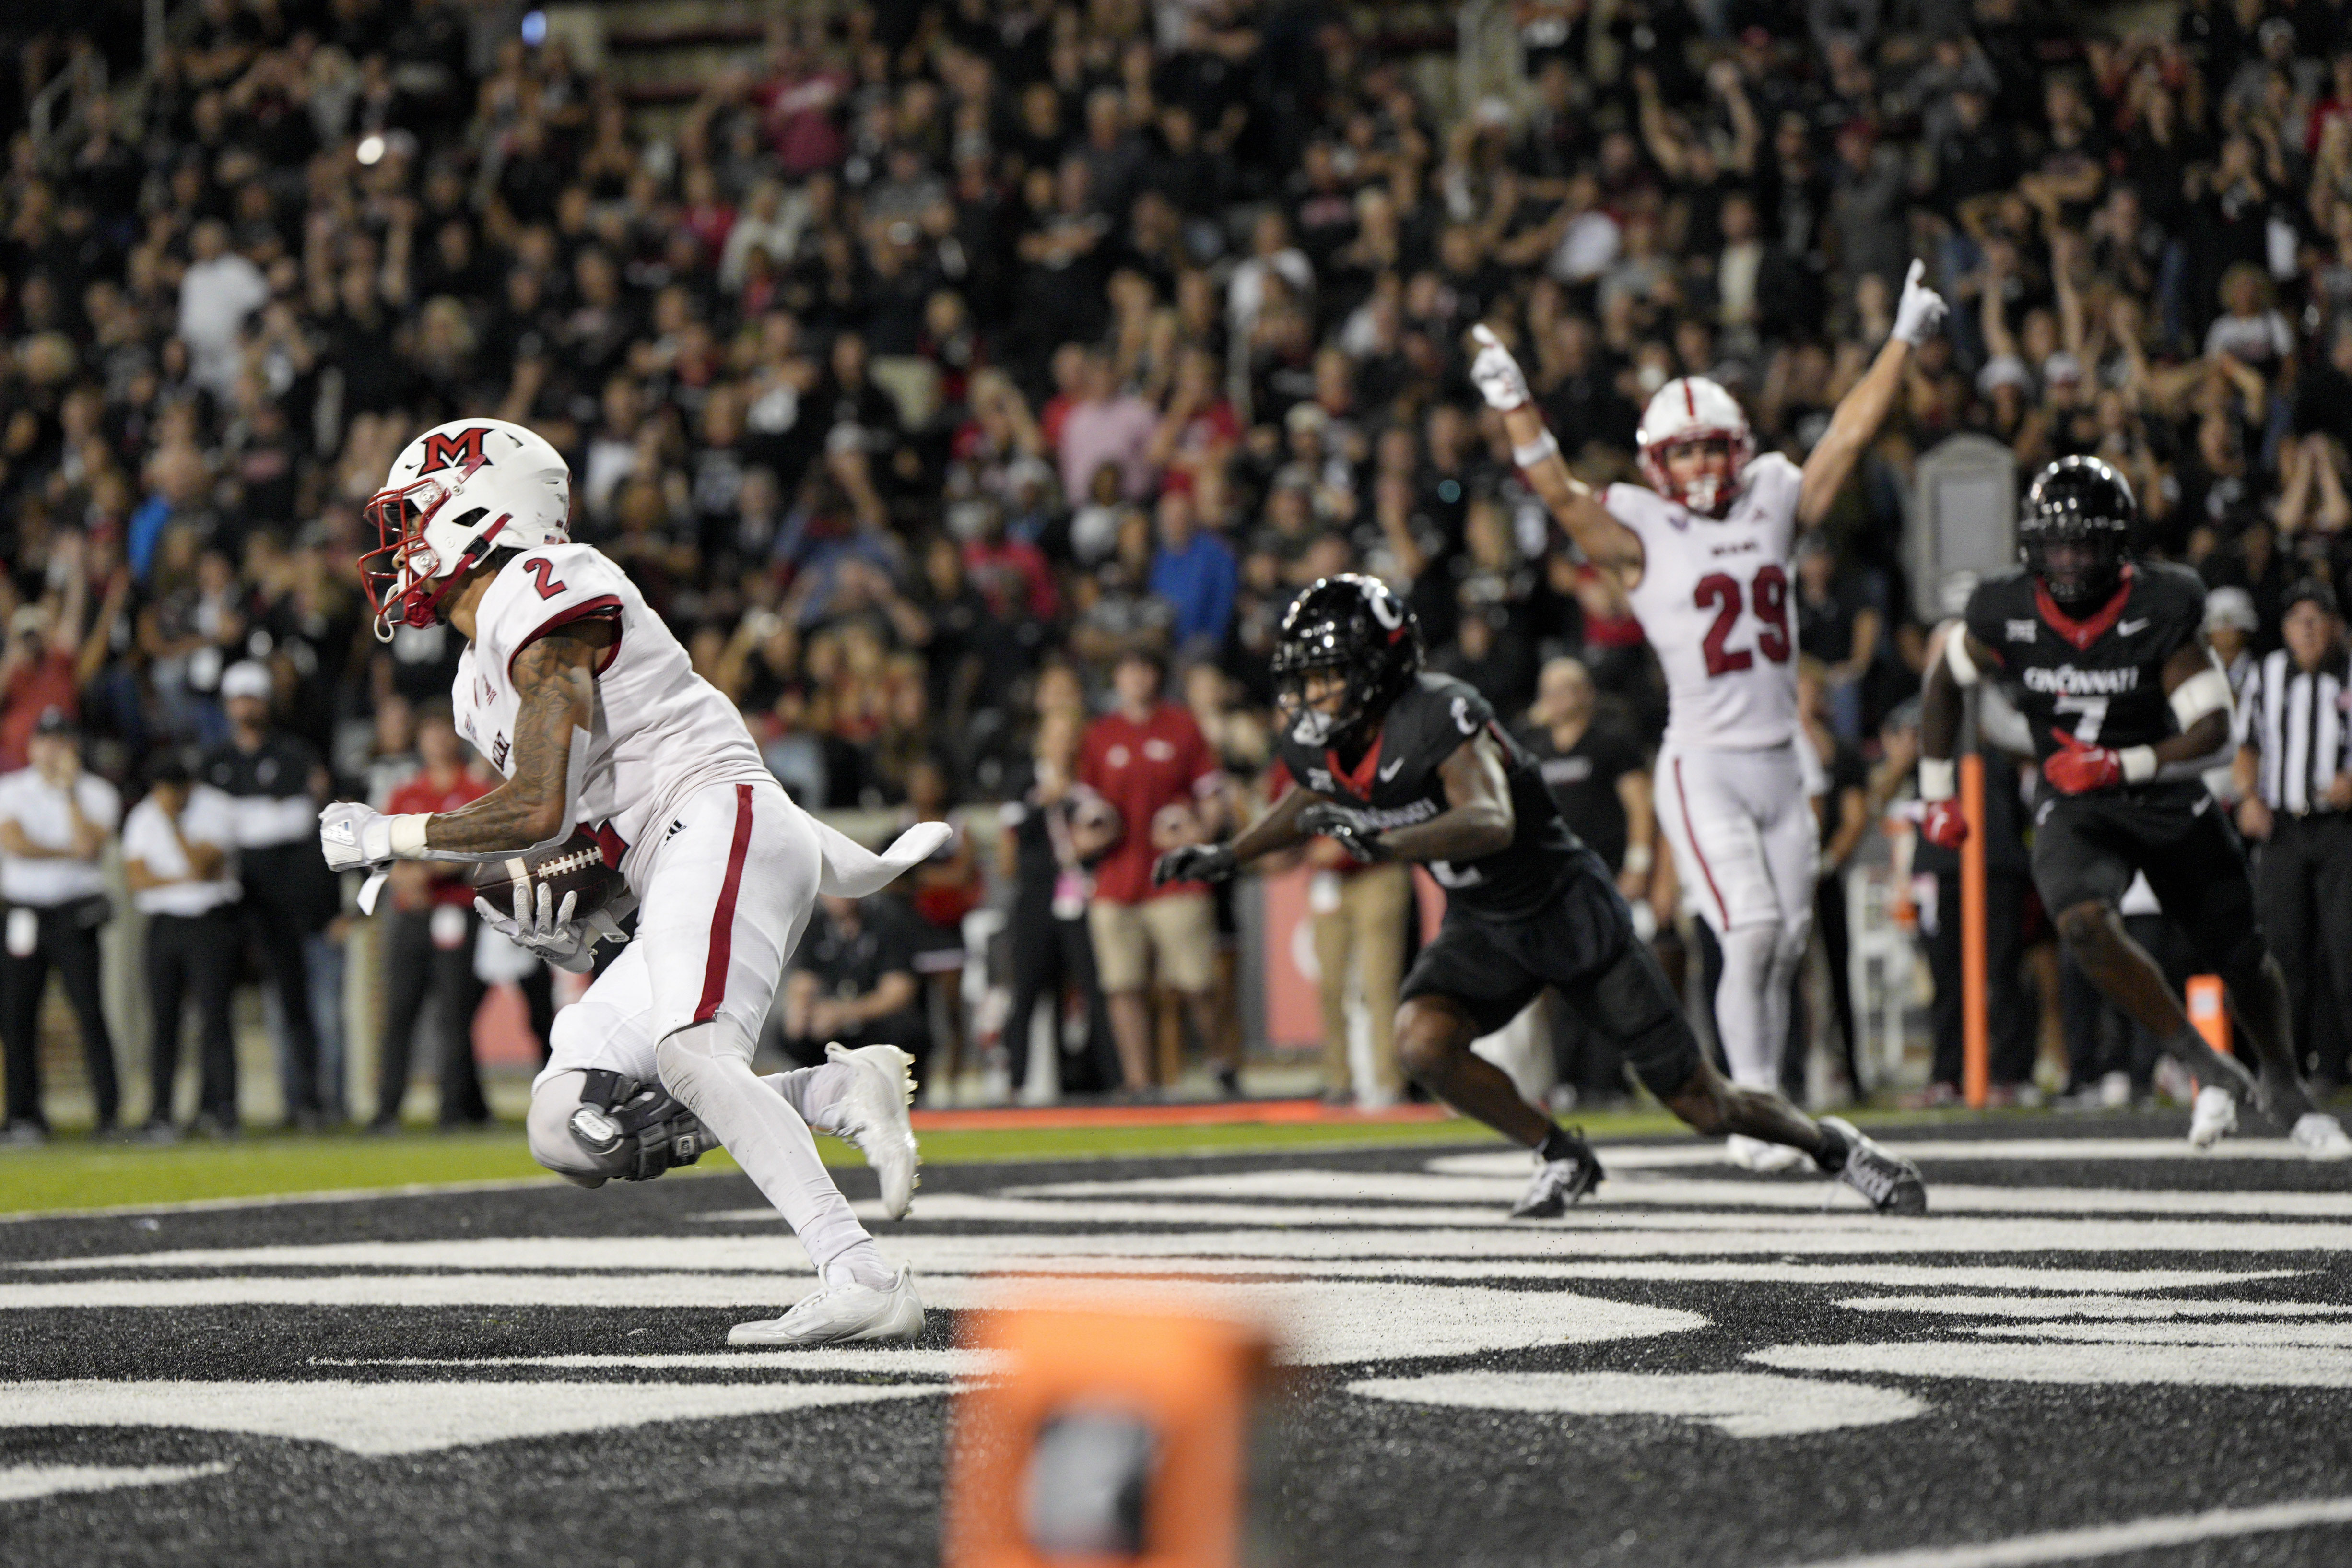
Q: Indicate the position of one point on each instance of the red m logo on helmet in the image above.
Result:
(463, 451)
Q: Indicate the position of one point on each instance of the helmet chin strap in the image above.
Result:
(1703, 494)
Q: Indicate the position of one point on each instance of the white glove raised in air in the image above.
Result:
(352, 835)
(542, 928)
(1495, 373)
(1920, 311)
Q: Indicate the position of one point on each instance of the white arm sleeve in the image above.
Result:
(1956, 654)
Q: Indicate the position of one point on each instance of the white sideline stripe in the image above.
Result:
(416, 1291)
(1344, 1254)
(1318, 1321)
(22, 1483)
(2090, 1306)
(1625, 1233)
(402, 1417)
(2183, 1366)
(819, 1358)
(1740, 1404)
(1417, 1187)
(2109, 1540)
(1998, 1151)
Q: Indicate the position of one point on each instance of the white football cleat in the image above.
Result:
(876, 1124)
(2321, 1137)
(840, 1314)
(1756, 1154)
(2214, 1115)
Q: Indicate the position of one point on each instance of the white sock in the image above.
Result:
(816, 1092)
(1743, 1006)
(772, 1144)
(860, 1265)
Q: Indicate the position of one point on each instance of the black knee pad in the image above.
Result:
(1632, 1004)
(635, 1131)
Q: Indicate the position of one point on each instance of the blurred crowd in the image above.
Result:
(971, 383)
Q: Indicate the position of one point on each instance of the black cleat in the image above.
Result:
(1890, 1182)
(1558, 1184)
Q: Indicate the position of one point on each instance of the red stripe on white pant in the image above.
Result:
(722, 918)
(1690, 831)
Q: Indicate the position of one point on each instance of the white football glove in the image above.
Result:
(1495, 373)
(1920, 311)
(352, 835)
(540, 927)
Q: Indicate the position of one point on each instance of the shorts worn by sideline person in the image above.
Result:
(1172, 938)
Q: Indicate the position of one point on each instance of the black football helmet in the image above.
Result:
(1353, 623)
(2082, 502)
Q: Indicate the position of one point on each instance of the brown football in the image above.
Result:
(575, 866)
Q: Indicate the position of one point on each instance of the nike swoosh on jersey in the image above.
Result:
(2131, 628)
(1391, 771)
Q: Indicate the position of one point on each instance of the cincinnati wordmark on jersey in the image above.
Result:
(2098, 680)
(1399, 782)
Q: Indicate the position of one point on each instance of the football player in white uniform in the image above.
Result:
(1703, 554)
(585, 701)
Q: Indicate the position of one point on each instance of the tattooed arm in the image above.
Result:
(555, 682)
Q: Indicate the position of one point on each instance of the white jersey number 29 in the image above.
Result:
(1720, 592)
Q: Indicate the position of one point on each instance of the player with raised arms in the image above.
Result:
(1394, 764)
(1703, 553)
(2106, 657)
(585, 701)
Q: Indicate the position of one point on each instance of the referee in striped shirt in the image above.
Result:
(2295, 773)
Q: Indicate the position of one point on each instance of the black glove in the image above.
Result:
(1343, 825)
(1194, 863)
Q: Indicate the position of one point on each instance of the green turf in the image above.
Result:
(78, 1172)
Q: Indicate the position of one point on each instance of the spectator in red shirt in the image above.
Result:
(1147, 759)
(429, 941)
(38, 667)
(800, 102)
(1011, 574)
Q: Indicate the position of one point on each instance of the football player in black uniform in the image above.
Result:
(1392, 764)
(2106, 657)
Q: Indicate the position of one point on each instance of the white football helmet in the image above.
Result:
(454, 493)
(1690, 409)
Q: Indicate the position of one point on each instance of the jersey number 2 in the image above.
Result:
(540, 569)
(1771, 594)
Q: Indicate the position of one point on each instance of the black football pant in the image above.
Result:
(275, 925)
(414, 968)
(192, 953)
(2303, 890)
(1049, 956)
(69, 947)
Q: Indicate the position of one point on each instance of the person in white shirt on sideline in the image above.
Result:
(54, 823)
(178, 852)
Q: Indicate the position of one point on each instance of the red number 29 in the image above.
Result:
(1720, 592)
(540, 569)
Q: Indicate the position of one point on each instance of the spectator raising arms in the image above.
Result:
(931, 348)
